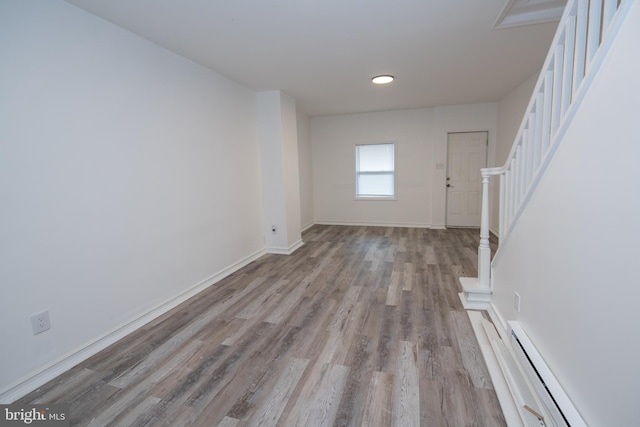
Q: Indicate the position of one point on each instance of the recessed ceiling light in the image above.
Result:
(382, 80)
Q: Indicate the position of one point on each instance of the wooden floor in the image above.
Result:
(362, 326)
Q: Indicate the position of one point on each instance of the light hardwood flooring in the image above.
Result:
(362, 326)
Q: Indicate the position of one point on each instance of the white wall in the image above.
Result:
(333, 141)
(291, 172)
(511, 111)
(574, 253)
(421, 138)
(305, 169)
(280, 179)
(128, 174)
(273, 191)
(458, 118)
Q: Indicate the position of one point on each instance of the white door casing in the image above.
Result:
(466, 155)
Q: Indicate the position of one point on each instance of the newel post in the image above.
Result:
(476, 291)
(484, 250)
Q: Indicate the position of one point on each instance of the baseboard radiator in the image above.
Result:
(537, 395)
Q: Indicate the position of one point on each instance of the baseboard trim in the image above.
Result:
(499, 322)
(286, 251)
(379, 224)
(51, 370)
(500, 386)
(308, 226)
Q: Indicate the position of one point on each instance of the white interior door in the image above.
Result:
(467, 154)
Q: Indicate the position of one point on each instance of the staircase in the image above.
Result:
(585, 33)
(529, 392)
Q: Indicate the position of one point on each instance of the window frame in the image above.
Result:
(357, 173)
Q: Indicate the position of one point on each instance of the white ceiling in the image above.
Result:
(324, 52)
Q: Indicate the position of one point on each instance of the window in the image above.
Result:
(375, 171)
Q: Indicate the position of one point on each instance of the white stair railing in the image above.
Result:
(585, 32)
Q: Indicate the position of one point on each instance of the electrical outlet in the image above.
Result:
(516, 301)
(274, 229)
(40, 322)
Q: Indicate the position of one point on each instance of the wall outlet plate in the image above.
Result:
(516, 302)
(40, 322)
